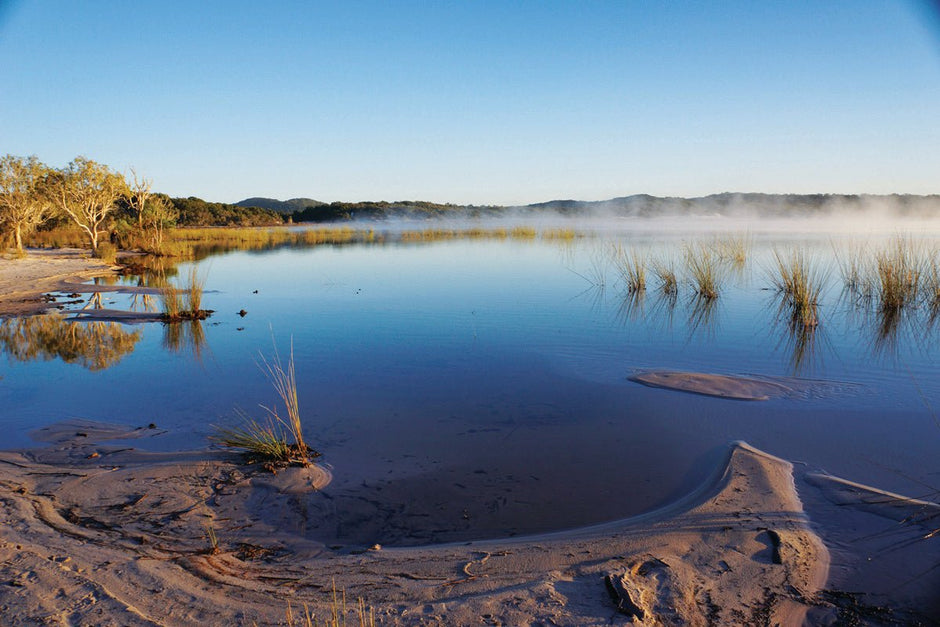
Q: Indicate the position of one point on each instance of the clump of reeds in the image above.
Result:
(194, 290)
(899, 267)
(523, 232)
(173, 299)
(666, 280)
(559, 234)
(931, 288)
(852, 267)
(702, 264)
(631, 267)
(799, 285)
(733, 248)
(279, 440)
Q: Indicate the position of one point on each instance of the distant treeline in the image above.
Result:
(337, 211)
(639, 205)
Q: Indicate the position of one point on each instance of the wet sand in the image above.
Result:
(24, 281)
(96, 531)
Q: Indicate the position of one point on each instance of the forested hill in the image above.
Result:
(286, 207)
(737, 204)
(639, 205)
(198, 212)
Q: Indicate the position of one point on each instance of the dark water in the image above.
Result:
(468, 389)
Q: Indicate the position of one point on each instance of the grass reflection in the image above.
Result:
(186, 335)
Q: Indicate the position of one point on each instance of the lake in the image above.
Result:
(463, 388)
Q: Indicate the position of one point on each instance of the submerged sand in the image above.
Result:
(24, 281)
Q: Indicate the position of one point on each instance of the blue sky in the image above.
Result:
(479, 102)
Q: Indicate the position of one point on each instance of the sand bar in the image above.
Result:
(24, 281)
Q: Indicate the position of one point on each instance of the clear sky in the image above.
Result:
(479, 102)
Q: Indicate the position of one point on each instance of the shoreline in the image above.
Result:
(23, 282)
(93, 519)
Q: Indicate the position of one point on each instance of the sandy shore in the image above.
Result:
(92, 533)
(24, 281)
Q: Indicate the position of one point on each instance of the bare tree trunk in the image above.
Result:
(19, 239)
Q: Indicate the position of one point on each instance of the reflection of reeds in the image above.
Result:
(631, 267)
(704, 271)
(703, 314)
(630, 307)
(186, 334)
(596, 273)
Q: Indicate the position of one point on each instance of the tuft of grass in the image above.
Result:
(665, 272)
(173, 298)
(213, 538)
(931, 287)
(852, 267)
(194, 290)
(172, 301)
(285, 384)
(702, 264)
(337, 613)
(260, 441)
(899, 268)
(799, 284)
(631, 267)
(278, 440)
(733, 248)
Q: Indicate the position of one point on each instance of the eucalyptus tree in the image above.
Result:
(24, 203)
(86, 191)
(138, 193)
(158, 215)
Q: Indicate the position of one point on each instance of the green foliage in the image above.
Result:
(194, 211)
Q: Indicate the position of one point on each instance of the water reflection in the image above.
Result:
(92, 345)
(185, 335)
(703, 315)
(798, 339)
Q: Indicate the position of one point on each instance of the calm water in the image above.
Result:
(478, 388)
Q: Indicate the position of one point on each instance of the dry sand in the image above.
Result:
(24, 281)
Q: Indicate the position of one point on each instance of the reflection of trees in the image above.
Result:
(93, 345)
